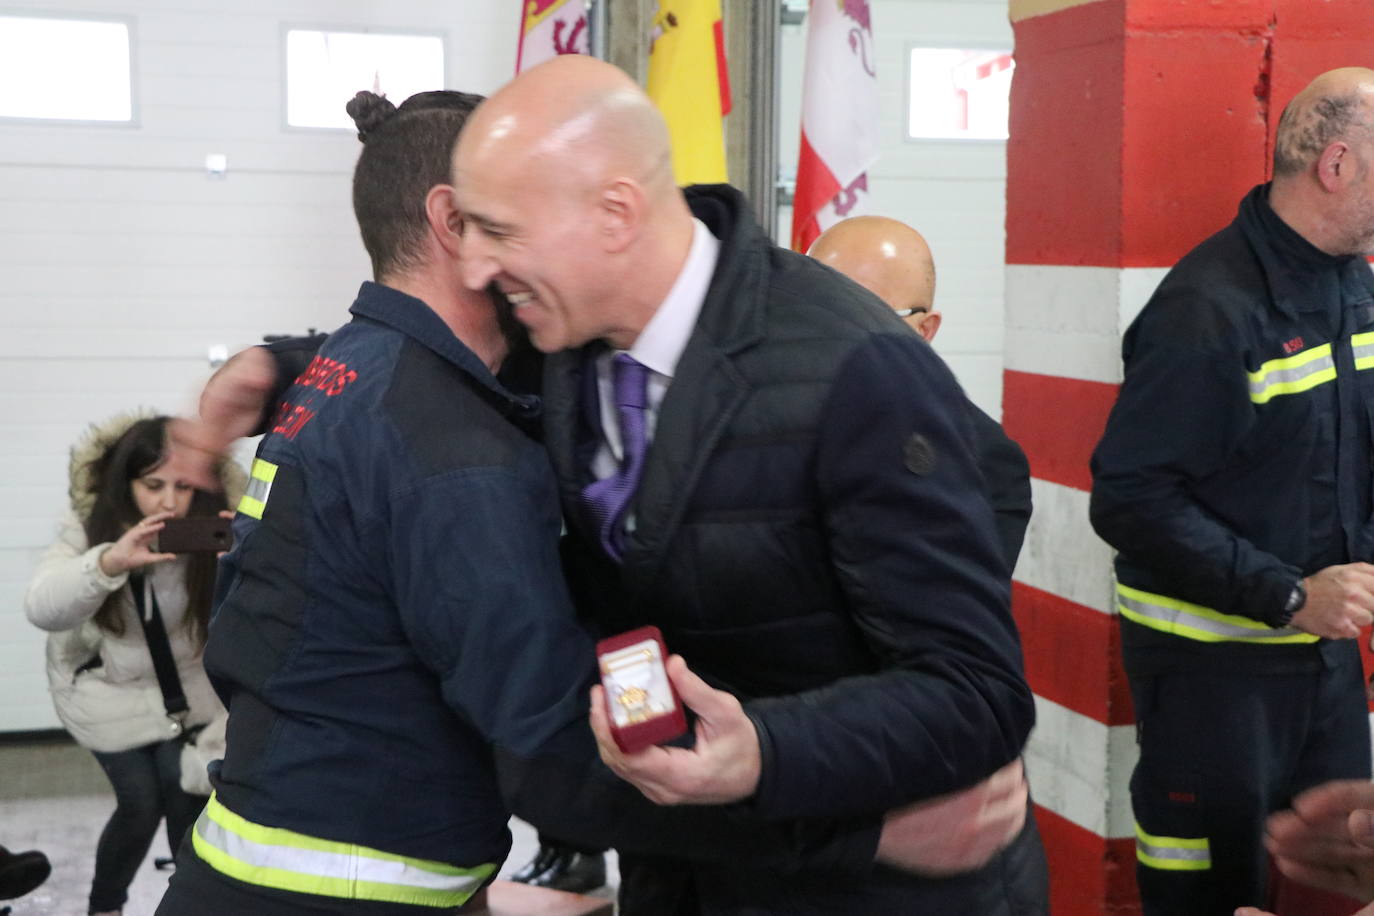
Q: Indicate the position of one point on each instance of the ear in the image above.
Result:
(444, 217)
(620, 214)
(928, 326)
(1335, 166)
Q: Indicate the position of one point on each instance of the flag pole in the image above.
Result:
(596, 15)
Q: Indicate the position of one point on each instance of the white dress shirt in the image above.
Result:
(658, 348)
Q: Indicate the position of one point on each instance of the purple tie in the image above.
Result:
(606, 500)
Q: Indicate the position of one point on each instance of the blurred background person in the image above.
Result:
(103, 591)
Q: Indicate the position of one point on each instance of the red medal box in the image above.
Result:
(641, 704)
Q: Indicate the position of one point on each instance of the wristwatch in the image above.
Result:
(1296, 599)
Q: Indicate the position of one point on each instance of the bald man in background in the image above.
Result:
(892, 260)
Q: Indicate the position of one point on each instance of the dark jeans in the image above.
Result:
(147, 787)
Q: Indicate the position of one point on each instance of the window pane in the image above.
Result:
(68, 69)
(326, 69)
(959, 94)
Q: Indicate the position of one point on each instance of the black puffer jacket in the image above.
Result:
(811, 521)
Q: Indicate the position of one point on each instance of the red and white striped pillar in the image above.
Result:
(1136, 128)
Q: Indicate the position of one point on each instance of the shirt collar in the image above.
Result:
(414, 318)
(660, 345)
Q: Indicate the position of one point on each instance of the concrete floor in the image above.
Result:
(66, 829)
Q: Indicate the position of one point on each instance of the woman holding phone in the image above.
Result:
(112, 603)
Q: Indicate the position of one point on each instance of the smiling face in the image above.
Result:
(535, 239)
(564, 179)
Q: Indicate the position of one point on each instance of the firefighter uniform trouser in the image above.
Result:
(1220, 752)
(196, 889)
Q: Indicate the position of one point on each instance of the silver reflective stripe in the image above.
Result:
(326, 867)
(254, 501)
(1173, 853)
(258, 489)
(1193, 621)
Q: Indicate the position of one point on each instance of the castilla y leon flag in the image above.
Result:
(839, 136)
(689, 83)
(549, 28)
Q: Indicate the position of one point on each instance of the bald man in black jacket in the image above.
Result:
(892, 260)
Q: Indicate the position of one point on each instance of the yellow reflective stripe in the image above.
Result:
(1193, 621)
(251, 507)
(265, 471)
(1292, 374)
(260, 478)
(1171, 853)
(1363, 347)
(283, 859)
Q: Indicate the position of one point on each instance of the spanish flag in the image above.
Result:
(689, 83)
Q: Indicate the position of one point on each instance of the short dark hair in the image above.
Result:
(1305, 130)
(140, 450)
(406, 151)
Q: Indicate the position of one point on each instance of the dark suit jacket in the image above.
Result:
(812, 538)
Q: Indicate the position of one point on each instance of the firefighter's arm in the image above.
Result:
(234, 404)
(1183, 410)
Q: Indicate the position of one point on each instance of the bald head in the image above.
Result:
(888, 258)
(565, 181)
(1335, 106)
(573, 111)
(1323, 184)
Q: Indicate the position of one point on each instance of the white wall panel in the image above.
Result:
(123, 261)
(1080, 769)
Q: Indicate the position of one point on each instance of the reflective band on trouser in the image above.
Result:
(1171, 853)
(259, 485)
(289, 861)
(1292, 374)
(1193, 621)
(1363, 347)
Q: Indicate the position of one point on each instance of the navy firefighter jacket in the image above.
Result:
(1238, 457)
(394, 504)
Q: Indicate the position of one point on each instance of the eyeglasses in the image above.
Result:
(907, 313)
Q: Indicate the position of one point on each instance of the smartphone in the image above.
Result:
(641, 704)
(200, 534)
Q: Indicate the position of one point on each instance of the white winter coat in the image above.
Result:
(118, 705)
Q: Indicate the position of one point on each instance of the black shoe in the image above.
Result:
(577, 872)
(538, 865)
(21, 872)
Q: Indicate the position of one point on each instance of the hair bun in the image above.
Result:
(369, 111)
